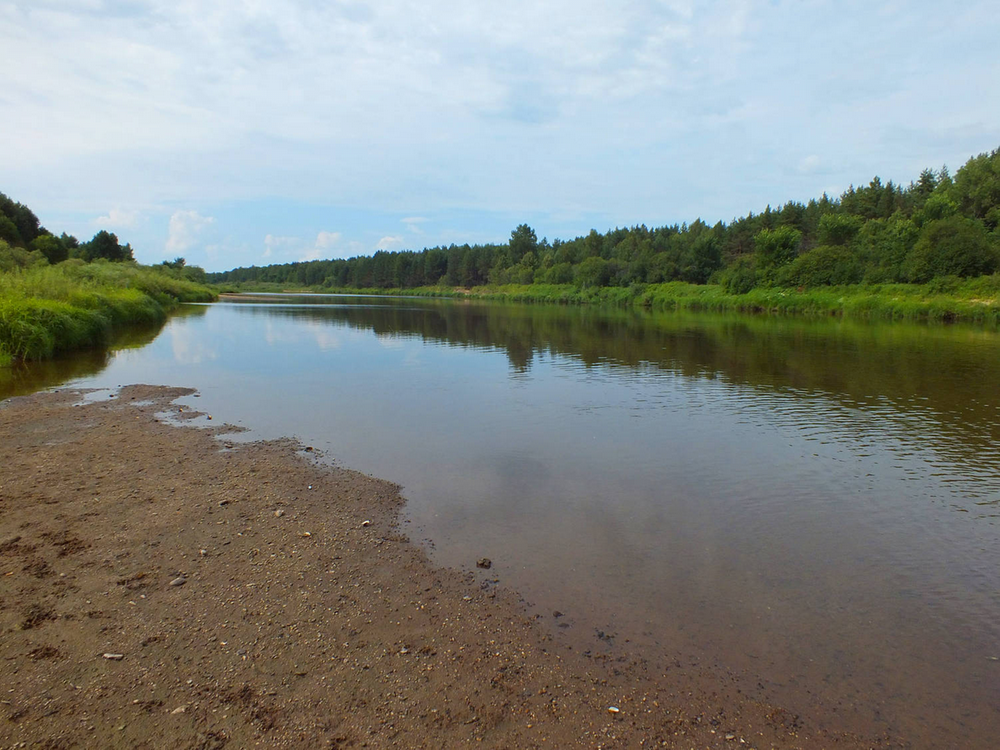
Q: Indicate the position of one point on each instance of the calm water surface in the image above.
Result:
(813, 504)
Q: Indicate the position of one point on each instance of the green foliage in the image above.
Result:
(105, 245)
(592, 272)
(977, 188)
(938, 206)
(25, 223)
(740, 277)
(13, 258)
(826, 265)
(523, 240)
(955, 246)
(878, 223)
(839, 229)
(8, 231)
(51, 247)
(49, 309)
(774, 248)
(882, 246)
(560, 273)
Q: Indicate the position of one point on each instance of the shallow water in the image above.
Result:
(812, 504)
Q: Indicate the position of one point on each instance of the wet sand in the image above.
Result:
(160, 589)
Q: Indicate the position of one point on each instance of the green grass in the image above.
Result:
(943, 300)
(48, 310)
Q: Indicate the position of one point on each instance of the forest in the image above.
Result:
(938, 226)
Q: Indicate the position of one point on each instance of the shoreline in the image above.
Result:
(256, 596)
(971, 301)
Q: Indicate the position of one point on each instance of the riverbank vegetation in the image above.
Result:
(46, 310)
(58, 294)
(884, 248)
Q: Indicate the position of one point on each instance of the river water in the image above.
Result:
(812, 504)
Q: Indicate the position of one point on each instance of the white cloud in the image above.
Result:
(390, 243)
(185, 229)
(643, 112)
(413, 224)
(116, 218)
(274, 242)
(810, 164)
(325, 240)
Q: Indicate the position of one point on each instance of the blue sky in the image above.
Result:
(243, 132)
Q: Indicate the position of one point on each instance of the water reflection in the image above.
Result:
(27, 377)
(927, 388)
(811, 502)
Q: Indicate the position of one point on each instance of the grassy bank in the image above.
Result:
(944, 300)
(52, 309)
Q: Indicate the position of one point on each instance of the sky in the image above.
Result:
(250, 132)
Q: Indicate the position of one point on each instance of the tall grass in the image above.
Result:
(48, 310)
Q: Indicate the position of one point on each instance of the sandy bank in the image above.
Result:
(160, 590)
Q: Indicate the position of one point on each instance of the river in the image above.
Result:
(811, 504)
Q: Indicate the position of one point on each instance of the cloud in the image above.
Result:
(184, 230)
(810, 164)
(390, 243)
(467, 111)
(413, 224)
(277, 242)
(118, 218)
(325, 240)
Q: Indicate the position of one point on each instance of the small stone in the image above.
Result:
(179, 581)
(223, 503)
(730, 737)
(366, 524)
(179, 710)
(485, 563)
(557, 613)
(114, 657)
(279, 513)
(309, 449)
(613, 710)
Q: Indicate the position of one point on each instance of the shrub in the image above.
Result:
(740, 277)
(955, 246)
(822, 266)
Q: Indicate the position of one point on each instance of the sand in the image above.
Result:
(162, 586)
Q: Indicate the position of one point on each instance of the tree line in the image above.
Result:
(25, 243)
(937, 226)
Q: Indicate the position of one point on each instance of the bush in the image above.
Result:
(776, 247)
(839, 229)
(593, 271)
(740, 277)
(955, 246)
(822, 266)
(560, 273)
